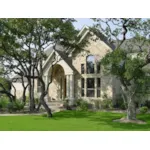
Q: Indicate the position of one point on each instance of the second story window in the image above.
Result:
(90, 61)
(98, 67)
(82, 69)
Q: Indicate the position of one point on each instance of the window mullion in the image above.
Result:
(85, 87)
(95, 88)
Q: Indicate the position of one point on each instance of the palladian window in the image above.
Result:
(91, 81)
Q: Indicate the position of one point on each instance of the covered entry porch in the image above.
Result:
(62, 85)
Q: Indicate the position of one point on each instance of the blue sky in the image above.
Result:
(82, 21)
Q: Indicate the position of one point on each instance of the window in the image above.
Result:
(90, 61)
(90, 87)
(98, 67)
(82, 87)
(98, 87)
(82, 68)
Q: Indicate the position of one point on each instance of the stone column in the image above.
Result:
(67, 86)
(62, 88)
(71, 89)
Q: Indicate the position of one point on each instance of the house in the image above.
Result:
(77, 74)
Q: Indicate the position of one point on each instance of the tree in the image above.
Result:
(23, 42)
(127, 66)
(5, 85)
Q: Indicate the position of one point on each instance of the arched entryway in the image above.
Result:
(57, 89)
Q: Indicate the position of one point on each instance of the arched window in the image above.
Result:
(90, 62)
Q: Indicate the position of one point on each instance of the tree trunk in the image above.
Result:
(131, 111)
(128, 97)
(48, 110)
(38, 107)
(31, 97)
(24, 95)
(42, 101)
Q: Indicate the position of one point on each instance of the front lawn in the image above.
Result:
(72, 121)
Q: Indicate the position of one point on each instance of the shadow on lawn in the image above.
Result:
(106, 118)
(72, 114)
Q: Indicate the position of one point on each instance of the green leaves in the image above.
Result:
(125, 66)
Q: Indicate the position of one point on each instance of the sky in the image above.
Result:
(82, 21)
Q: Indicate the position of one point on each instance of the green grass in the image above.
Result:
(72, 121)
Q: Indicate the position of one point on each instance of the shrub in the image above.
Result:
(120, 103)
(37, 100)
(107, 104)
(147, 103)
(4, 101)
(122, 106)
(78, 108)
(66, 104)
(143, 109)
(15, 106)
(82, 105)
(11, 107)
(78, 102)
(19, 105)
(5, 104)
(97, 104)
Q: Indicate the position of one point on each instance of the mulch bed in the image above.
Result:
(125, 120)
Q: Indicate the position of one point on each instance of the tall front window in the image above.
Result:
(90, 81)
(82, 87)
(90, 87)
(98, 87)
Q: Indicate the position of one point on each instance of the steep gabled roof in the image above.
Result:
(83, 33)
(66, 59)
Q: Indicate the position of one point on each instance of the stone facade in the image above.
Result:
(95, 48)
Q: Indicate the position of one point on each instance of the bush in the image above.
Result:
(107, 104)
(82, 105)
(66, 104)
(146, 103)
(97, 104)
(19, 105)
(143, 109)
(120, 103)
(4, 101)
(37, 100)
(11, 107)
(5, 104)
(15, 106)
